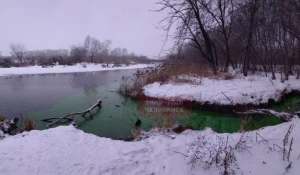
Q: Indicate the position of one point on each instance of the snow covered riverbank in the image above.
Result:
(80, 67)
(240, 90)
(66, 150)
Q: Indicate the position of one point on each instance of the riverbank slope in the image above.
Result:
(240, 90)
(80, 67)
(67, 150)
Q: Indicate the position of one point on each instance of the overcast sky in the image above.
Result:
(56, 24)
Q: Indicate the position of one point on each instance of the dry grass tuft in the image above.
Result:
(2, 118)
(27, 125)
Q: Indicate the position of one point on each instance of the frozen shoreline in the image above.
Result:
(65, 69)
(253, 89)
(67, 150)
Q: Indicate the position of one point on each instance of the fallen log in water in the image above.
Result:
(70, 117)
(284, 116)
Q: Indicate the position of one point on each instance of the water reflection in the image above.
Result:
(90, 91)
(27, 93)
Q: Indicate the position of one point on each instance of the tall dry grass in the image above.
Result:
(133, 86)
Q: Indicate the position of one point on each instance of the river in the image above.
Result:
(55, 95)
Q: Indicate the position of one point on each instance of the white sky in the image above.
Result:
(58, 24)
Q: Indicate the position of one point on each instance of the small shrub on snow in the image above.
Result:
(219, 153)
(228, 76)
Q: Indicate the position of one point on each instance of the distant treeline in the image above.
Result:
(257, 34)
(92, 50)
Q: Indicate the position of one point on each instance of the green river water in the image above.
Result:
(44, 96)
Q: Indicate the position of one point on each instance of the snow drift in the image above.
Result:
(241, 90)
(80, 67)
(67, 150)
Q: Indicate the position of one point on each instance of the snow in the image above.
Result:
(67, 150)
(240, 90)
(80, 67)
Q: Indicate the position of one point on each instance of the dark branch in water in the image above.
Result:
(284, 116)
(70, 117)
(53, 118)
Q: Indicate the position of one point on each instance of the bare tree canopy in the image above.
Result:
(17, 51)
(257, 34)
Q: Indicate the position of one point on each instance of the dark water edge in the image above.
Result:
(284, 99)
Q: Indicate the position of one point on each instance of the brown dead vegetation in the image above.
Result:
(27, 125)
(133, 86)
(2, 118)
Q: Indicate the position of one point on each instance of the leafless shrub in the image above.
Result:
(219, 153)
(6, 63)
(286, 153)
(46, 62)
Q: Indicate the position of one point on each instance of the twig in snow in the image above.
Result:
(277, 146)
(288, 167)
(290, 150)
(228, 98)
(261, 137)
(241, 145)
(180, 153)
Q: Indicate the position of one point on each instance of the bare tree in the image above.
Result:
(78, 53)
(93, 47)
(221, 12)
(192, 23)
(251, 9)
(106, 47)
(17, 51)
(116, 52)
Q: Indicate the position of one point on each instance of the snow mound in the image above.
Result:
(242, 90)
(67, 150)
